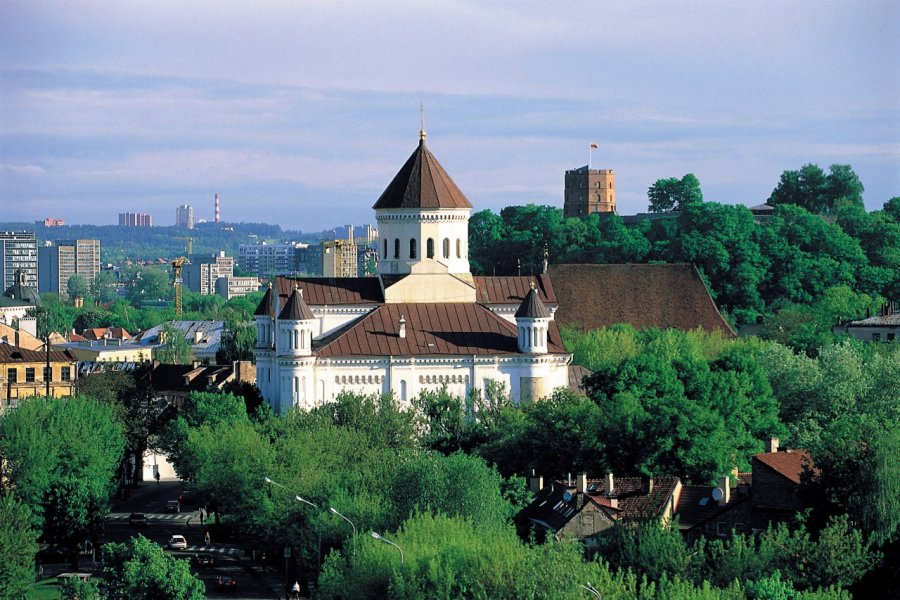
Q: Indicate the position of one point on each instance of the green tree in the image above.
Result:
(144, 284)
(142, 570)
(810, 188)
(103, 287)
(486, 235)
(674, 194)
(18, 545)
(76, 287)
(175, 348)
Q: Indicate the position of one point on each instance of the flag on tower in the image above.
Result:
(594, 146)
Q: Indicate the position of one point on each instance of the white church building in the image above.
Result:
(424, 322)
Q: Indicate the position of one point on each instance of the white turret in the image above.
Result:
(532, 320)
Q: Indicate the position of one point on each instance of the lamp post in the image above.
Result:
(381, 538)
(353, 546)
(316, 506)
(592, 590)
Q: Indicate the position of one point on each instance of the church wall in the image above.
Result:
(451, 224)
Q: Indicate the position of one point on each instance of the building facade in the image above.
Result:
(589, 191)
(24, 373)
(73, 257)
(424, 323)
(268, 260)
(129, 219)
(18, 251)
(184, 216)
(201, 274)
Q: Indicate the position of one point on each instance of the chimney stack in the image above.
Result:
(535, 483)
(772, 445)
(217, 207)
(725, 485)
(582, 483)
(610, 484)
(402, 330)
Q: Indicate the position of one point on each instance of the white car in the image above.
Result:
(178, 542)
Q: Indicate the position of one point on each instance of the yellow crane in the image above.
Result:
(177, 266)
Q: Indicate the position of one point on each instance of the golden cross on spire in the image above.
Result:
(422, 133)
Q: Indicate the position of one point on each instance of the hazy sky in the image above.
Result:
(300, 113)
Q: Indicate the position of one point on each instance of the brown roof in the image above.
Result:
(671, 295)
(790, 464)
(98, 333)
(513, 289)
(296, 309)
(19, 337)
(422, 183)
(320, 291)
(14, 354)
(696, 505)
(532, 307)
(431, 329)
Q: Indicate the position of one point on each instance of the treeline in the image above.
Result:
(758, 271)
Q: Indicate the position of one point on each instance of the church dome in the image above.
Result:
(22, 292)
(422, 183)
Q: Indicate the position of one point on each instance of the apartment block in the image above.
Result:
(201, 274)
(129, 219)
(71, 257)
(18, 250)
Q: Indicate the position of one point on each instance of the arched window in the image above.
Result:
(446, 247)
(385, 248)
(458, 248)
(397, 248)
(412, 248)
(429, 248)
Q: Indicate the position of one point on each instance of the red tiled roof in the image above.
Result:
(671, 295)
(431, 329)
(790, 465)
(422, 183)
(513, 289)
(320, 291)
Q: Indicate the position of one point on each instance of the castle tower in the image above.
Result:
(589, 191)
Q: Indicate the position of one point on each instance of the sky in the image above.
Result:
(300, 112)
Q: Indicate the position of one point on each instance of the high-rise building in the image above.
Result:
(50, 222)
(129, 219)
(589, 191)
(18, 250)
(184, 216)
(203, 271)
(268, 260)
(71, 257)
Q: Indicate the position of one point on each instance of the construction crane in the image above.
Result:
(177, 265)
(190, 244)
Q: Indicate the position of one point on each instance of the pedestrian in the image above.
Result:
(202, 515)
(206, 539)
(295, 590)
(40, 570)
(156, 476)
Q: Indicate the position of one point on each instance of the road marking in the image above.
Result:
(182, 517)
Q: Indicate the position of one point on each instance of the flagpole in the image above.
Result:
(590, 154)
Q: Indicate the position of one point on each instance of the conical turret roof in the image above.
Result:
(532, 307)
(422, 183)
(265, 305)
(296, 309)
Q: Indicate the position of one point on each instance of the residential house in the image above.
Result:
(25, 373)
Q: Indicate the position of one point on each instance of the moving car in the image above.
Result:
(178, 542)
(226, 583)
(137, 520)
(203, 559)
(173, 506)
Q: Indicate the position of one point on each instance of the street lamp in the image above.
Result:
(592, 590)
(381, 538)
(334, 511)
(314, 505)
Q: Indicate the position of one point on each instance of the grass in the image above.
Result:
(46, 589)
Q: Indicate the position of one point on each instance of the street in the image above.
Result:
(228, 558)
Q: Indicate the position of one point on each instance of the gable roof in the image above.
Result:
(422, 183)
(512, 289)
(451, 329)
(15, 354)
(670, 295)
(789, 464)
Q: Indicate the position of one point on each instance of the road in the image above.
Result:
(229, 558)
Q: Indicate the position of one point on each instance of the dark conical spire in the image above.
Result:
(422, 183)
(265, 304)
(296, 309)
(532, 307)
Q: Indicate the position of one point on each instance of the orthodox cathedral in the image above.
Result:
(423, 323)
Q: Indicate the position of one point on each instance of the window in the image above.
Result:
(12, 375)
(412, 248)
(722, 529)
(446, 247)
(29, 374)
(458, 248)
(48, 373)
(385, 248)
(890, 337)
(397, 248)
(429, 248)
(65, 373)
(876, 337)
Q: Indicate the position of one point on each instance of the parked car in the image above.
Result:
(173, 506)
(137, 520)
(203, 559)
(178, 542)
(187, 497)
(226, 583)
